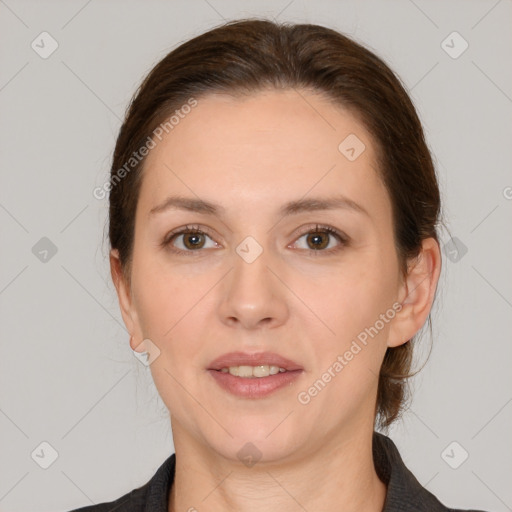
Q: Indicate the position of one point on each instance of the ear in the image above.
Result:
(126, 305)
(416, 293)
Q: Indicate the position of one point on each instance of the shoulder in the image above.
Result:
(152, 496)
(404, 492)
(134, 501)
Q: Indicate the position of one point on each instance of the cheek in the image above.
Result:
(346, 362)
(349, 301)
(171, 309)
(351, 298)
(164, 296)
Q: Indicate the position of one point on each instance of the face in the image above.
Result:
(314, 285)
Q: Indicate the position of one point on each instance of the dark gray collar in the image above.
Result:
(404, 492)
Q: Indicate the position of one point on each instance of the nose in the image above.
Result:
(253, 295)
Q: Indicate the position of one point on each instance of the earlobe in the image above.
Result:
(417, 293)
(136, 346)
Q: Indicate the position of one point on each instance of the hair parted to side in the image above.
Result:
(246, 56)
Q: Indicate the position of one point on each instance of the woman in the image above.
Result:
(273, 215)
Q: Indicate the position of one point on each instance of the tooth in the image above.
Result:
(253, 371)
(245, 371)
(261, 371)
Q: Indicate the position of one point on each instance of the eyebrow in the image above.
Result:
(290, 208)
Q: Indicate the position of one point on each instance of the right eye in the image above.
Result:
(192, 239)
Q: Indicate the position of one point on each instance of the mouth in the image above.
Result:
(253, 372)
(253, 375)
(257, 360)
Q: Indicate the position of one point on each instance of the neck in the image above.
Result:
(338, 475)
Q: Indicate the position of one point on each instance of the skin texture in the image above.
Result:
(251, 155)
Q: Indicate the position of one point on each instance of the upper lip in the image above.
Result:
(256, 359)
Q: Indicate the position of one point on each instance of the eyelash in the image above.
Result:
(342, 238)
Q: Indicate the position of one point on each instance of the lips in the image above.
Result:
(257, 359)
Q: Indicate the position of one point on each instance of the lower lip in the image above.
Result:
(255, 387)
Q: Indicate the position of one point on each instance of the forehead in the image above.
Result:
(263, 149)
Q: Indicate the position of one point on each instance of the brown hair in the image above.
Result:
(249, 55)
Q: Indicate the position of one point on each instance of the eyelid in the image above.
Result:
(323, 228)
(187, 229)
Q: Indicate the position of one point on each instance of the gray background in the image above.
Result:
(67, 373)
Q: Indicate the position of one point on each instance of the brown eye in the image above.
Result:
(188, 240)
(193, 240)
(318, 240)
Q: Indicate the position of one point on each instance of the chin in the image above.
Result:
(258, 441)
(256, 451)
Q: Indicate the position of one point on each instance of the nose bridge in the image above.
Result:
(250, 263)
(252, 292)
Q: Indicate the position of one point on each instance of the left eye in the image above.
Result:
(319, 239)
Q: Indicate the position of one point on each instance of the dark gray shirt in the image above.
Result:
(404, 492)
